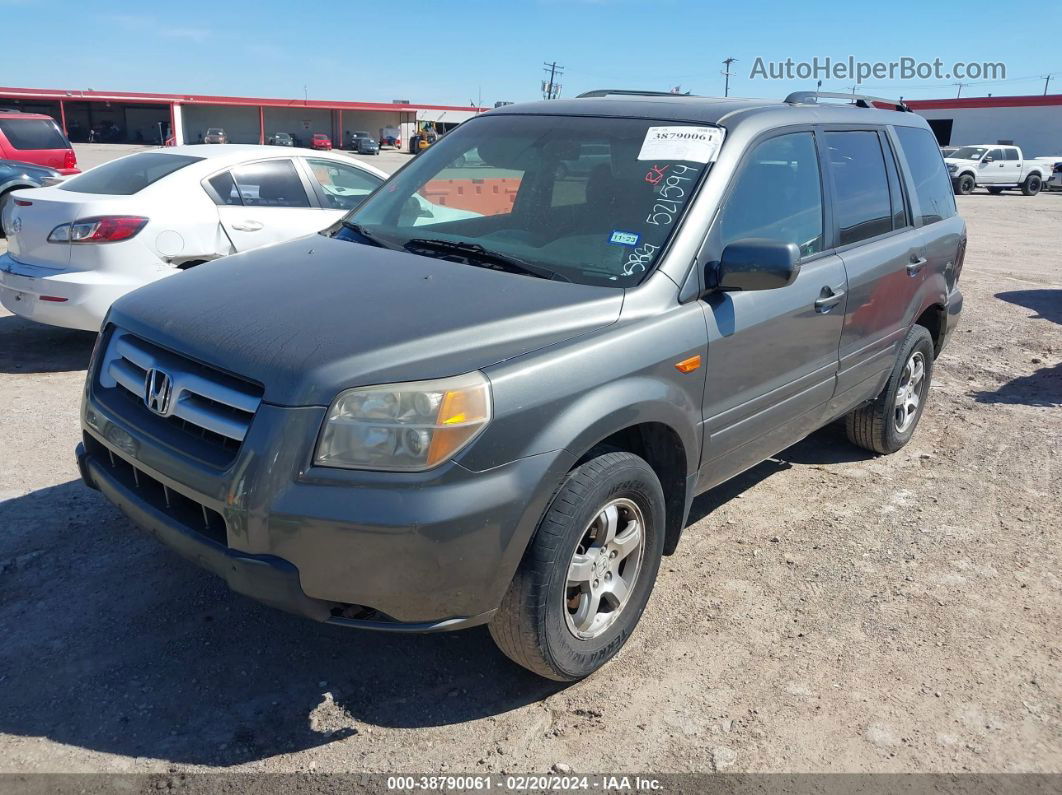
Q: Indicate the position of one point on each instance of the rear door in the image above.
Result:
(264, 202)
(882, 254)
(35, 140)
(772, 354)
(1012, 166)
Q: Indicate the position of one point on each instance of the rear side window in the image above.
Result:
(1011, 154)
(932, 185)
(777, 195)
(271, 183)
(862, 205)
(128, 175)
(33, 134)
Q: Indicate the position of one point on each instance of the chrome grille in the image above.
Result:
(199, 398)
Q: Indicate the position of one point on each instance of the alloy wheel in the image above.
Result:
(604, 568)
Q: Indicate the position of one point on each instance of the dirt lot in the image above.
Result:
(829, 611)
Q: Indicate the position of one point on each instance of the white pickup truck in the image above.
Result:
(997, 168)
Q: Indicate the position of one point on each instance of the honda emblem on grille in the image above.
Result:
(158, 388)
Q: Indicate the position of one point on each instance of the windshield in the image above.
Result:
(969, 152)
(587, 200)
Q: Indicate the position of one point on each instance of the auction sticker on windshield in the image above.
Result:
(684, 142)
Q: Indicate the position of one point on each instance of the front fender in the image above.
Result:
(573, 395)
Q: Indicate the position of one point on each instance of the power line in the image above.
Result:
(726, 86)
(551, 88)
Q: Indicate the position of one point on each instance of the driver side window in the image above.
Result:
(777, 195)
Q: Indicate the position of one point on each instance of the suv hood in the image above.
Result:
(314, 316)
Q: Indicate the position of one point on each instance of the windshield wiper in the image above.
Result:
(359, 229)
(476, 251)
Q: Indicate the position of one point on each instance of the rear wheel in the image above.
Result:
(888, 423)
(965, 184)
(587, 575)
(1032, 185)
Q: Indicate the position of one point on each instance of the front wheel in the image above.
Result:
(1032, 185)
(587, 574)
(888, 423)
(965, 184)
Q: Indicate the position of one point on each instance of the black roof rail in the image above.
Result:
(627, 92)
(859, 100)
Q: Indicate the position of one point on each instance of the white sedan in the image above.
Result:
(76, 247)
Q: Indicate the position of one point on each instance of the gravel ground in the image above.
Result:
(827, 611)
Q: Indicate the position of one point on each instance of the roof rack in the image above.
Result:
(626, 92)
(859, 100)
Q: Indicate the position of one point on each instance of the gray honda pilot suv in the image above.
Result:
(490, 394)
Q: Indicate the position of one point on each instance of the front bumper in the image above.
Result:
(77, 299)
(412, 552)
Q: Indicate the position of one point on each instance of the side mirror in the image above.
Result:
(758, 264)
(987, 160)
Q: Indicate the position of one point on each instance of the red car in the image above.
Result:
(35, 138)
(320, 141)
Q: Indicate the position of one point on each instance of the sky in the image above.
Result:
(469, 51)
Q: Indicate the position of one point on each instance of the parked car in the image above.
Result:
(77, 246)
(215, 135)
(36, 138)
(362, 143)
(15, 175)
(996, 168)
(320, 141)
(280, 139)
(391, 136)
(1056, 177)
(504, 418)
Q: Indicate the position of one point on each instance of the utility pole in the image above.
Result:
(551, 88)
(856, 86)
(1047, 80)
(960, 85)
(726, 86)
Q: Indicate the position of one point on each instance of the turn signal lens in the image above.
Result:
(688, 365)
(404, 427)
(103, 229)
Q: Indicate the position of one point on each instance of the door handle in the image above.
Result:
(247, 226)
(829, 299)
(915, 265)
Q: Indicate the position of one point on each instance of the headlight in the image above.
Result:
(952, 167)
(404, 427)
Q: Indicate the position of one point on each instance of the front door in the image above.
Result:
(772, 354)
(992, 168)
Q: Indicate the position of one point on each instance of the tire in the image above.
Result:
(879, 426)
(995, 191)
(546, 622)
(965, 184)
(1032, 185)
